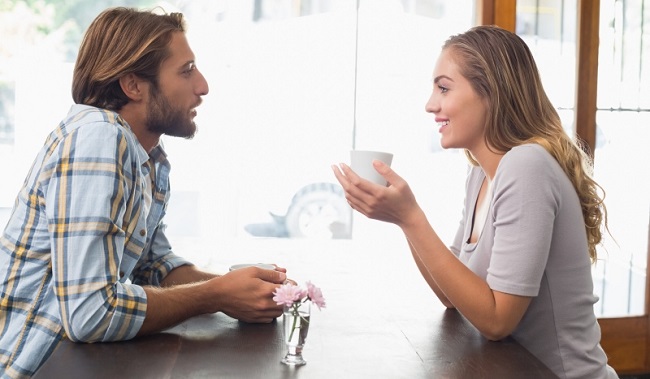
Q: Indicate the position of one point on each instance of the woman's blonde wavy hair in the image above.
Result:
(501, 69)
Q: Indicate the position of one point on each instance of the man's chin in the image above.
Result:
(190, 132)
(187, 132)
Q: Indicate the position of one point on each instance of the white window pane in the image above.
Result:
(285, 104)
(622, 169)
(294, 85)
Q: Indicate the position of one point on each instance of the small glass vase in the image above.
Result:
(296, 326)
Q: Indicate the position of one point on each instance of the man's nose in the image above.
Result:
(202, 85)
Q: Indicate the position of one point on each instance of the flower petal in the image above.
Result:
(287, 294)
(315, 295)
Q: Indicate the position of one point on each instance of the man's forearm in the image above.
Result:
(185, 275)
(245, 294)
(179, 298)
(170, 306)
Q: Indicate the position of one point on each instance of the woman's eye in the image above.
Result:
(443, 89)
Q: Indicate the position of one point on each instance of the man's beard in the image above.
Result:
(165, 119)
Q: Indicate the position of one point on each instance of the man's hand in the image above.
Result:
(247, 294)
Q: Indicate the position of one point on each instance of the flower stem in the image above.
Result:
(295, 319)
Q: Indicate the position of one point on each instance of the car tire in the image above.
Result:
(319, 210)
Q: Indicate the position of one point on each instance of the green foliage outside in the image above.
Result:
(69, 17)
(28, 24)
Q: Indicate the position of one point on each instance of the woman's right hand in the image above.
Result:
(394, 203)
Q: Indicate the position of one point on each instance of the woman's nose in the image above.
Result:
(432, 105)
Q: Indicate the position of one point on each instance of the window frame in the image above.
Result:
(626, 340)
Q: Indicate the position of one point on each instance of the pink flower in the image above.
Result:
(287, 294)
(315, 295)
(291, 294)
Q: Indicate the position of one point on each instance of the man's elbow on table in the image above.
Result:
(84, 330)
(89, 322)
(81, 331)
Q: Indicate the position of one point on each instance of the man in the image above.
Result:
(85, 252)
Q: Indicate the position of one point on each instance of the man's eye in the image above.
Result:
(191, 67)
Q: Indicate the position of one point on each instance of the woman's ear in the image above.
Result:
(133, 87)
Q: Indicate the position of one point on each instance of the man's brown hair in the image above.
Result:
(118, 42)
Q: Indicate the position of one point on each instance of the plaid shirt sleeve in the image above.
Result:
(92, 210)
(158, 259)
(77, 234)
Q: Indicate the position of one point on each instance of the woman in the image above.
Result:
(520, 264)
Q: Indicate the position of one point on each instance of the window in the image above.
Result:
(294, 85)
(622, 155)
(622, 130)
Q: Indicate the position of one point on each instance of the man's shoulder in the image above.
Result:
(86, 123)
(91, 132)
(83, 116)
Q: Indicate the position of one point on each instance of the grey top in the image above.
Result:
(534, 244)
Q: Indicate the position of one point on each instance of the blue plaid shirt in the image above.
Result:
(78, 247)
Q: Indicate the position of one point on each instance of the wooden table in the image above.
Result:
(381, 321)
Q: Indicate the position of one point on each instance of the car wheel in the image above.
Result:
(319, 210)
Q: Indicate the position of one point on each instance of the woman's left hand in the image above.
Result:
(393, 203)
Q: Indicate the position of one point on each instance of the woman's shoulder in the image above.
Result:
(528, 156)
(529, 151)
(530, 163)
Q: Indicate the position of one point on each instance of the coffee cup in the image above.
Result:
(361, 164)
(265, 266)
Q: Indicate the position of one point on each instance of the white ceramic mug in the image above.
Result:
(361, 163)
